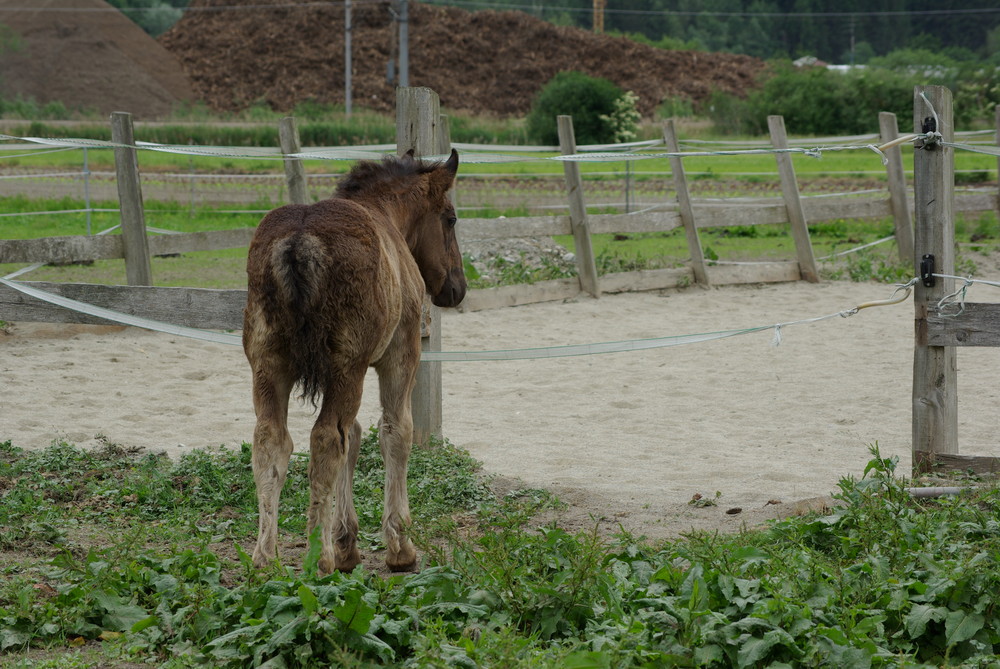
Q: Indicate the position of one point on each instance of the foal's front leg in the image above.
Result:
(395, 441)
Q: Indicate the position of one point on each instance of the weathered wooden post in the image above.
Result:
(793, 203)
(295, 171)
(898, 199)
(418, 113)
(585, 266)
(935, 376)
(996, 127)
(138, 269)
(685, 209)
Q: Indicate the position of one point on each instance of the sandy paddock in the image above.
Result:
(627, 437)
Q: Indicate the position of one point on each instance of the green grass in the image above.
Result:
(111, 558)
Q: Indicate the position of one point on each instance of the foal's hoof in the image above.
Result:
(404, 560)
(348, 562)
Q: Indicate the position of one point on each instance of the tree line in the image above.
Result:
(848, 32)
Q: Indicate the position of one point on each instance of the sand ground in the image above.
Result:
(625, 438)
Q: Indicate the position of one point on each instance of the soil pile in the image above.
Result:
(86, 55)
(484, 62)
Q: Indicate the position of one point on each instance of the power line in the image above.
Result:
(668, 12)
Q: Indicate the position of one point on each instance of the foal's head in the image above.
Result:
(421, 191)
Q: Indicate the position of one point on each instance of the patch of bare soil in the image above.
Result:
(92, 59)
(484, 62)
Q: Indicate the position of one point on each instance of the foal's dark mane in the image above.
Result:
(366, 175)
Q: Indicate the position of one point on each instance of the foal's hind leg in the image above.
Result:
(272, 447)
(396, 380)
(334, 445)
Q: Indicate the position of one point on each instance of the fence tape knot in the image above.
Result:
(949, 300)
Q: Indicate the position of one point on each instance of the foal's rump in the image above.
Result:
(323, 294)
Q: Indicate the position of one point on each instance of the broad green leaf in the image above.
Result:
(10, 638)
(960, 626)
(310, 563)
(921, 614)
(276, 662)
(355, 612)
(123, 618)
(754, 650)
(286, 635)
(308, 599)
(583, 659)
(148, 621)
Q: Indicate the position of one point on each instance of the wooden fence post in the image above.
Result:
(684, 205)
(898, 197)
(996, 128)
(138, 269)
(585, 266)
(418, 112)
(295, 171)
(793, 203)
(935, 377)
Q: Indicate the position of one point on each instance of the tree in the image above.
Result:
(153, 16)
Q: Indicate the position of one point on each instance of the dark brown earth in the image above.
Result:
(78, 53)
(87, 56)
(484, 62)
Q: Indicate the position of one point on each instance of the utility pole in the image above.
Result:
(348, 66)
(404, 43)
(599, 6)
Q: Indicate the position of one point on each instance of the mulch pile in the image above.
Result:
(91, 59)
(484, 62)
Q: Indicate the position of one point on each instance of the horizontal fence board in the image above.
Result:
(650, 221)
(833, 208)
(205, 308)
(211, 240)
(646, 279)
(977, 325)
(927, 462)
(55, 250)
(721, 214)
(512, 296)
(976, 202)
(61, 249)
(470, 229)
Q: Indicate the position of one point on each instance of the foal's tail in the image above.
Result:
(300, 267)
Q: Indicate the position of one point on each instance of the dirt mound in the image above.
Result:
(483, 62)
(90, 59)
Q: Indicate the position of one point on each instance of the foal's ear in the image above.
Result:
(410, 155)
(444, 176)
(452, 163)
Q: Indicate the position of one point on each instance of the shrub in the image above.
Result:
(584, 98)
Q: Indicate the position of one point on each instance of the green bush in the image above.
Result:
(583, 97)
(817, 101)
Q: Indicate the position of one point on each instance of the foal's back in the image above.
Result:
(325, 284)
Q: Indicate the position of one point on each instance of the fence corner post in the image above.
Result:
(793, 202)
(898, 200)
(935, 374)
(295, 171)
(138, 268)
(585, 265)
(418, 113)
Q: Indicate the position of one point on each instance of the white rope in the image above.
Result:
(454, 356)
